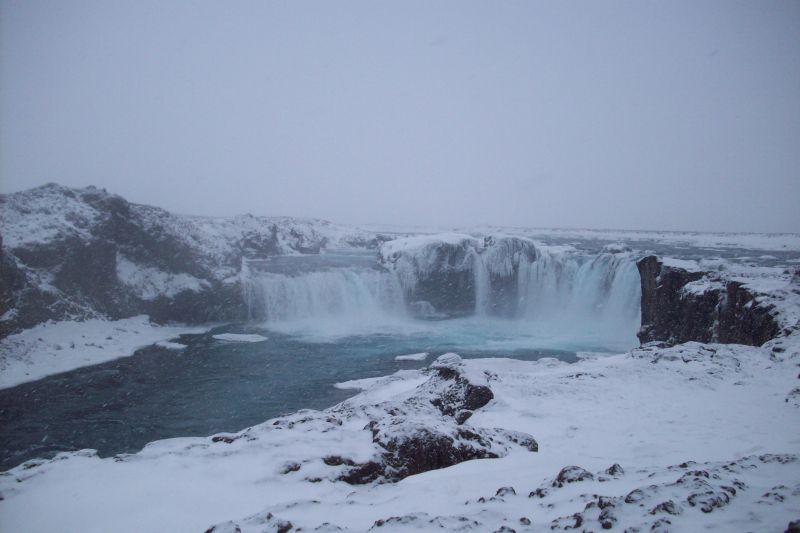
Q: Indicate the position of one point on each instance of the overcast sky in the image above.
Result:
(651, 115)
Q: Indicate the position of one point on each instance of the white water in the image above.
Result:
(341, 293)
(601, 293)
(562, 300)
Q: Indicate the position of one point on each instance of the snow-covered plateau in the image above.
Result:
(696, 429)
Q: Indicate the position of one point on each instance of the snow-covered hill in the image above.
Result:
(85, 253)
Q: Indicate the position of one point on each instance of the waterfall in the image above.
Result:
(482, 282)
(555, 292)
(601, 291)
(338, 293)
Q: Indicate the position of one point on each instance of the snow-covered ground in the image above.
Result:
(55, 347)
(707, 437)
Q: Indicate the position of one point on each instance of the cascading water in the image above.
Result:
(533, 290)
(334, 293)
(482, 285)
(600, 293)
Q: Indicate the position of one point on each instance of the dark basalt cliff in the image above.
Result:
(726, 312)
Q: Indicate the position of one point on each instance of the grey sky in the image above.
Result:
(657, 115)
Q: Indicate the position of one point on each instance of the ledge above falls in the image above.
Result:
(681, 303)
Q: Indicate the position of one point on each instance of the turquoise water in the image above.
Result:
(215, 386)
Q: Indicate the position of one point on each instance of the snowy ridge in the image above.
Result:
(46, 213)
(704, 436)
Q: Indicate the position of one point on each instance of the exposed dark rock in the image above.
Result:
(607, 517)
(505, 491)
(290, 467)
(226, 527)
(227, 439)
(793, 527)
(422, 433)
(726, 312)
(541, 492)
(668, 507)
(572, 474)
(335, 460)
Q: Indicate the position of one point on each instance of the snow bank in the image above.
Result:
(55, 347)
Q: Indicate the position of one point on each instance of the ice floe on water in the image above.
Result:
(412, 357)
(240, 337)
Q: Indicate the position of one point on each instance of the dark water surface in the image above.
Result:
(210, 387)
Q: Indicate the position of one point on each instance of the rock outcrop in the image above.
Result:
(428, 431)
(679, 305)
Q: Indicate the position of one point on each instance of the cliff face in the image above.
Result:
(81, 253)
(724, 311)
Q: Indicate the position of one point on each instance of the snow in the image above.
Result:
(240, 337)
(768, 242)
(412, 357)
(689, 266)
(43, 214)
(150, 283)
(417, 242)
(649, 410)
(54, 347)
